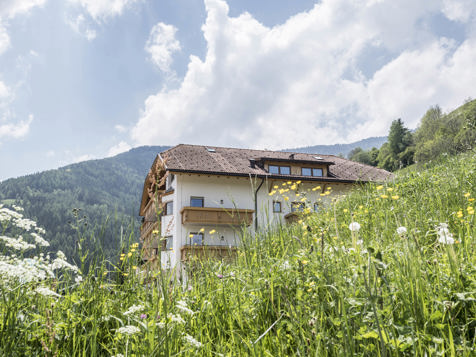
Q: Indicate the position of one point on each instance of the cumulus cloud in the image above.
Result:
(15, 130)
(119, 148)
(161, 45)
(100, 10)
(11, 8)
(81, 27)
(120, 128)
(314, 79)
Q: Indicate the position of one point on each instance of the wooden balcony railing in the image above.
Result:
(217, 216)
(201, 252)
(147, 228)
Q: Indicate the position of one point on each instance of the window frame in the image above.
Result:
(279, 169)
(197, 198)
(280, 207)
(196, 234)
(306, 168)
(166, 208)
(297, 206)
(318, 168)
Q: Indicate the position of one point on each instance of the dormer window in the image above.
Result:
(279, 170)
(308, 171)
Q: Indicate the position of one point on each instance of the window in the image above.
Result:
(196, 201)
(279, 170)
(169, 242)
(196, 238)
(316, 172)
(316, 207)
(276, 207)
(307, 171)
(169, 208)
(297, 207)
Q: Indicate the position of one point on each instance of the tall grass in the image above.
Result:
(403, 284)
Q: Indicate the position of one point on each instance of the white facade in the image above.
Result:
(231, 192)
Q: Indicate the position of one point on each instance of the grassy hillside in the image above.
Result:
(386, 271)
(103, 193)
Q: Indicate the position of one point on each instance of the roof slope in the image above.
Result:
(231, 161)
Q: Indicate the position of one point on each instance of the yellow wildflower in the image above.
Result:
(459, 214)
(384, 196)
(470, 208)
(275, 186)
(190, 235)
(322, 194)
(298, 182)
(379, 187)
(272, 193)
(129, 254)
(389, 189)
(202, 230)
(133, 250)
(297, 195)
(293, 187)
(155, 231)
(360, 207)
(312, 283)
(105, 273)
(300, 221)
(286, 198)
(471, 199)
(304, 262)
(121, 258)
(134, 267)
(125, 274)
(281, 191)
(212, 231)
(467, 194)
(284, 184)
(303, 199)
(289, 182)
(346, 210)
(396, 197)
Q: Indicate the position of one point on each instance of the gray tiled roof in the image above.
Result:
(231, 161)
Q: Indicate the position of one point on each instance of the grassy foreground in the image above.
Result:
(388, 270)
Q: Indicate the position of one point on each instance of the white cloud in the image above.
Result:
(81, 158)
(4, 91)
(161, 45)
(120, 128)
(459, 10)
(4, 38)
(11, 8)
(16, 130)
(81, 27)
(100, 10)
(303, 83)
(119, 148)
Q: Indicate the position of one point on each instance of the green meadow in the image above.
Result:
(388, 270)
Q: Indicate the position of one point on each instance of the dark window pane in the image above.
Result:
(169, 242)
(297, 207)
(196, 238)
(316, 172)
(169, 208)
(316, 207)
(285, 170)
(276, 206)
(273, 169)
(306, 171)
(196, 201)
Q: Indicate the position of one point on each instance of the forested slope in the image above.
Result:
(104, 195)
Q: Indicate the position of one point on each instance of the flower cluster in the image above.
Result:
(444, 235)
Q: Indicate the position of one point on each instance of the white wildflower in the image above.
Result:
(160, 325)
(133, 309)
(18, 244)
(128, 330)
(176, 318)
(78, 279)
(285, 265)
(354, 227)
(182, 305)
(401, 231)
(39, 240)
(444, 235)
(46, 292)
(360, 242)
(190, 340)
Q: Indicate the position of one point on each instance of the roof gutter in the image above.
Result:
(256, 204)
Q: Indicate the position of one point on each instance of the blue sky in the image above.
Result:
(84, 79)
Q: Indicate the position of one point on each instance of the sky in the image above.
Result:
(88, 79)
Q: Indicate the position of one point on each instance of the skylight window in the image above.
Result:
(211, 150)
(318, 158)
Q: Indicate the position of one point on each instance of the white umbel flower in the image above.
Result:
(128, 330)
(191, 341)
(444, 235)
(354, 227)
(401, 231)
(133, 309)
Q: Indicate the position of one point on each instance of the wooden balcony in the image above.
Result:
(293, 217)
(204, 252)
(147, 228)
(217, 216)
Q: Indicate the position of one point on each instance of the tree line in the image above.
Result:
(437, 133)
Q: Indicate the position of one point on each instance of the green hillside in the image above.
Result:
(106, 192)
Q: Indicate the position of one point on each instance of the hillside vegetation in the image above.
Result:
(437, 133)
(99, 195)
(389, 270)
